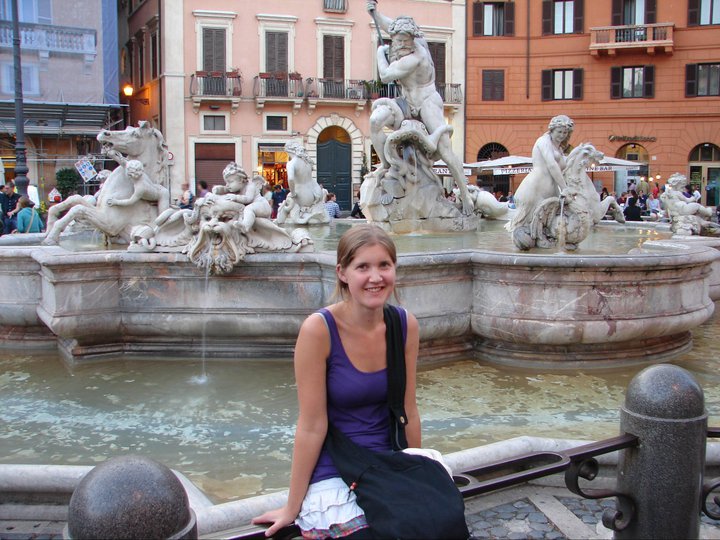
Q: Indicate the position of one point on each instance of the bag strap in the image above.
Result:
(396, 377)
(32, 217)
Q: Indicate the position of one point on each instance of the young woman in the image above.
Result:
(340, 370)
(28, 220)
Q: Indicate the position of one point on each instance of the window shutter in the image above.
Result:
(509, 19)
(547, 17)
(577, 83)
(649, 81)
(276, 52)
(213, 49)
(691, 80)
(493, 85)
(477, 19)
(617, 18)
(693, 12)
(437, 53)
(333, 57)
(650, 11)
(546, 84)
(616, 82)
(579, 16)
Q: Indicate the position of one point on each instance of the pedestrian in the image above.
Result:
(187, 199)
(331, 206)
(8, 203)
(340, 371)
(203, 191)
(28, 220)
(278, 197)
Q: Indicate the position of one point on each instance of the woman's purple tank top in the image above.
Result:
(356, 401)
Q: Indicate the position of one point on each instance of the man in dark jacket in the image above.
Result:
(8, 202)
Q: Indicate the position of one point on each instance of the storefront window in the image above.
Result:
(272, 163)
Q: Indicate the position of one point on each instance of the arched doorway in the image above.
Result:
(625, 177)
(334, 164)
(704, 163)
(487, 180)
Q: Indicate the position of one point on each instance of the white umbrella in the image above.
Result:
(507, 161)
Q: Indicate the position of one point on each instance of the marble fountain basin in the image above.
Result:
(631, 294)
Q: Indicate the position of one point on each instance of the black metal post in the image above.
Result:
(21, 169)
(665, 408)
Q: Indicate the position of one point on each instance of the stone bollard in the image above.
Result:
(665, 408)
(130, 497)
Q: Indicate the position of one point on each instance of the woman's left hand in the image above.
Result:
(278, 519)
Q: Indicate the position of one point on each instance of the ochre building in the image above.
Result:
(640, 78)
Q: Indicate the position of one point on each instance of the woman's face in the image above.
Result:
(370, 276)
(559, 134)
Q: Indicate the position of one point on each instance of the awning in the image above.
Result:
(48, 118)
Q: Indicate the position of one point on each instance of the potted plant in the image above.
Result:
(372, 89)
(294, 76)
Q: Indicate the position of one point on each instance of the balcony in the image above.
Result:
(47, 39)
(335, 6)
(214, 87)
(352, 92)
(649, 37)
(279, 87)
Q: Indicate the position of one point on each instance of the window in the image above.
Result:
(631, 12)
(213, 58)
(703, 12)
(30, 79)
(29, 11)
(493, 85)
(702, 80)
(437, 53)
(562, 84)
(276, 51)
(140, 60)
(632, 82)
(214, 122)
(277, 123)
(493, 19)
(154, 56)
(562, 16)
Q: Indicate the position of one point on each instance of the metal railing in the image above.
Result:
(335, 6)
(629, 36)
(280, 85)
(45, 37)
(216, 83)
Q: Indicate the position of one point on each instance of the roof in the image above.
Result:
(48, 118)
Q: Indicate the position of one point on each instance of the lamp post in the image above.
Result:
(21, 170)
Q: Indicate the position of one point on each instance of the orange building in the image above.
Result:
(640, 78)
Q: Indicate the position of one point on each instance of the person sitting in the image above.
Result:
(187, 199)
(331, 206)
(632, 210)
(28, 220)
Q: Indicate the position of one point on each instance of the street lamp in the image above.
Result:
(128, 90)
(21, 169)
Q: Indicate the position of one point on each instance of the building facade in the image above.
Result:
(69, 59)
(234, 81)
(640, 78)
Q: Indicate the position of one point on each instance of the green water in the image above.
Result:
(232, 435)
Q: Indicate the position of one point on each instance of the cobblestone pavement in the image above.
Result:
(538, 513)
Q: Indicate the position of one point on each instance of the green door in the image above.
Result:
(334, 170)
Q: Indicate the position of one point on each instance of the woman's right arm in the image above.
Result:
(311, 351)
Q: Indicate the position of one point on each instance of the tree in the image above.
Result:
(67, 181)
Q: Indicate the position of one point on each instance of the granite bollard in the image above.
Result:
(665, 408)
(130, 497)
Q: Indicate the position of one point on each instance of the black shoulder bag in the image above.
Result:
(402, 495)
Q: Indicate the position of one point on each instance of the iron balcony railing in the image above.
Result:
(45, 37)
(335, 6)
(635, 36)
(280, 85)
(216, 84)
